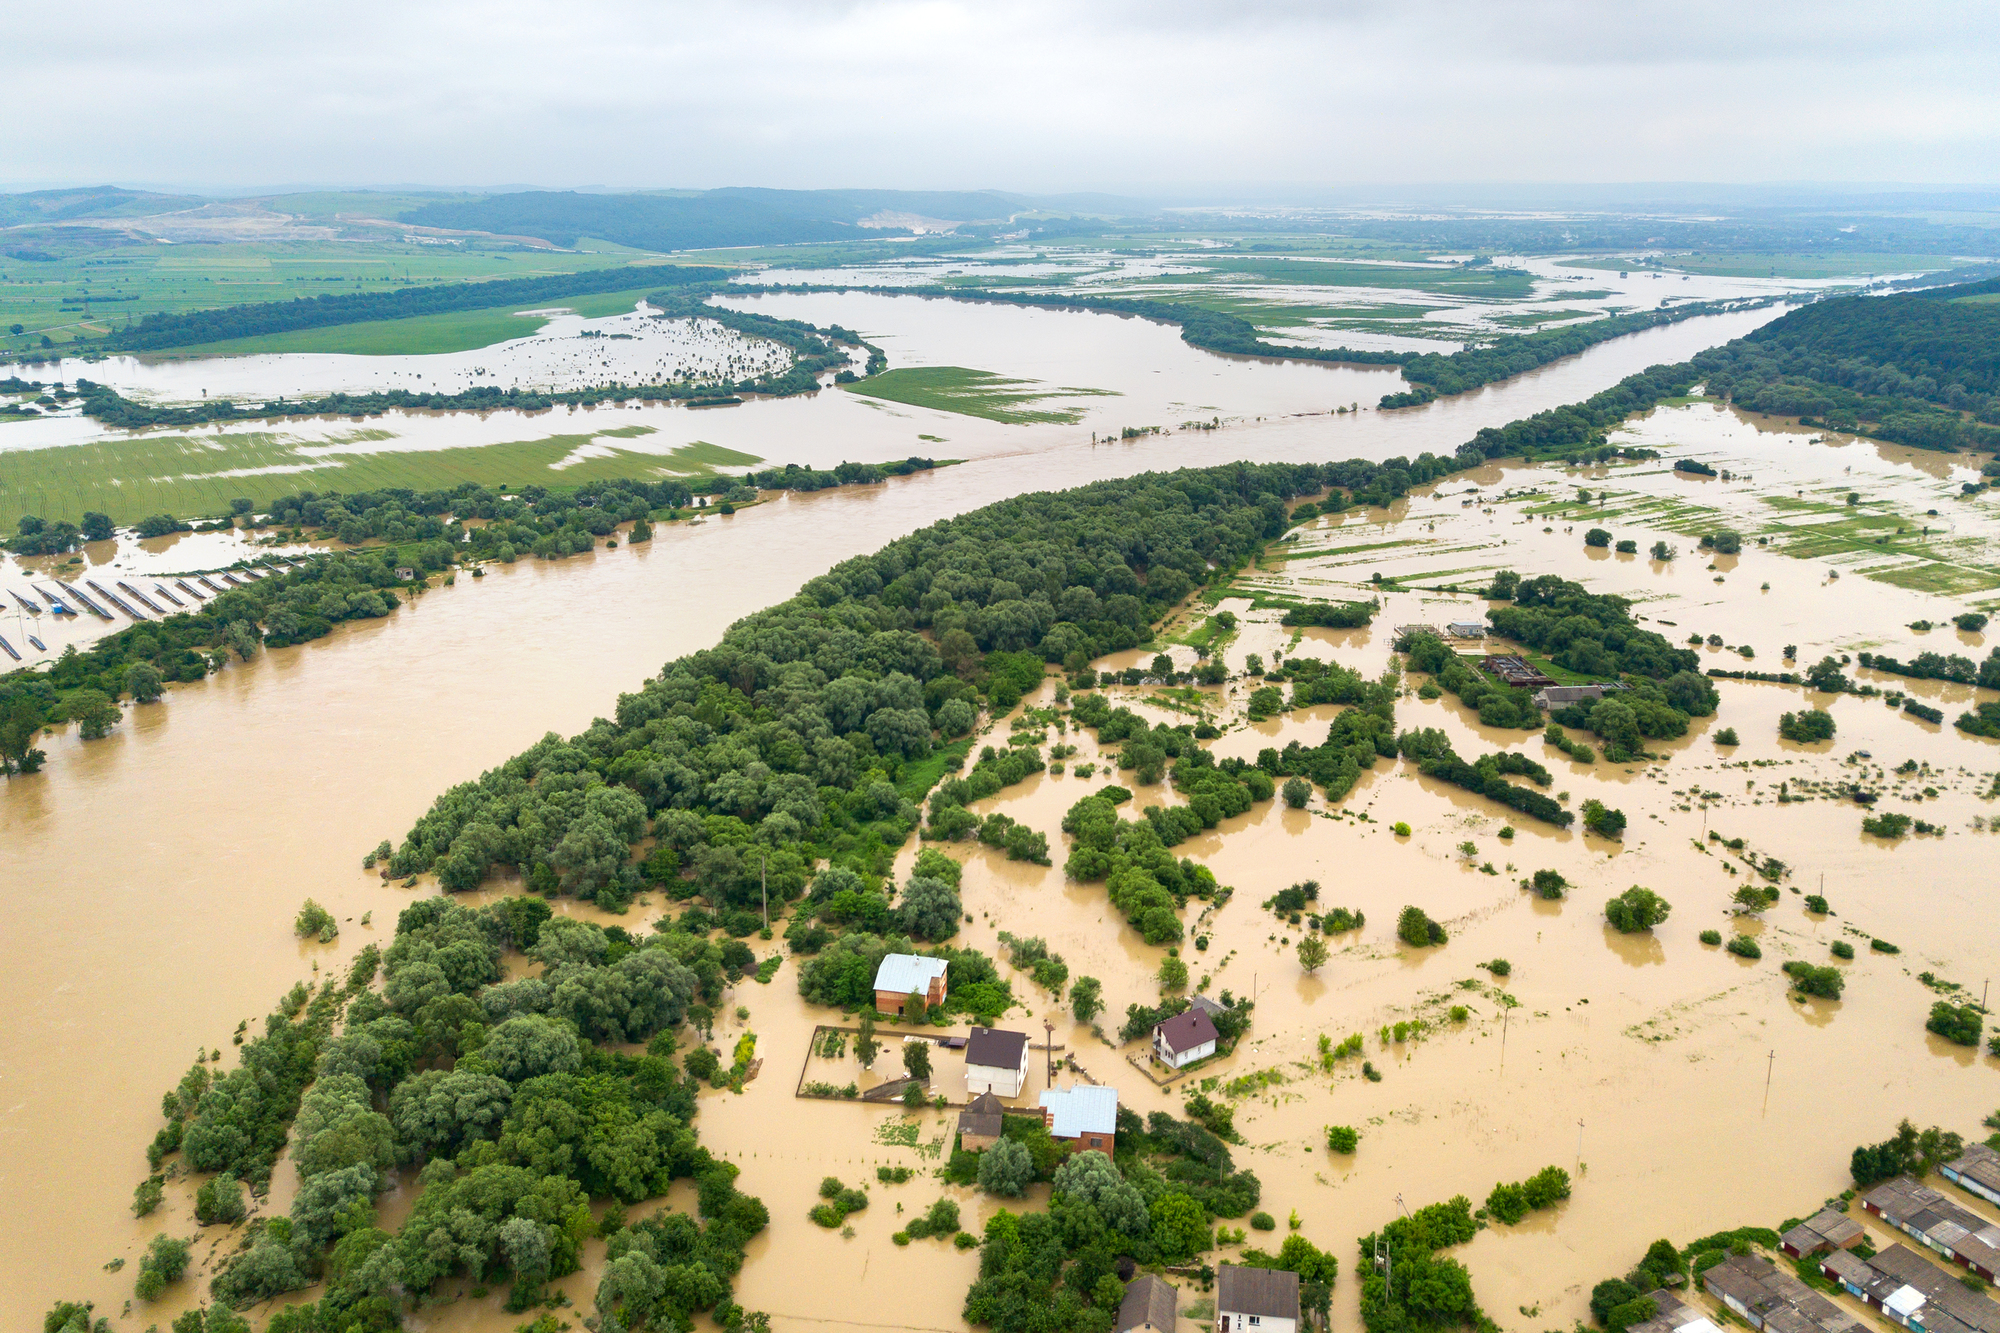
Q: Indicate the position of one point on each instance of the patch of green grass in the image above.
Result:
(1484, 282)
(920, 775)
(126, 282)
(1938, 577)
(190, 476)
(425, 335)
(975, 393)
(1312, 553)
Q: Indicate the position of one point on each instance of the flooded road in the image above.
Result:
(156, 874)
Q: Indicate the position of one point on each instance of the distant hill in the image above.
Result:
(99, 201)
(1935, 340)
(1920, 368)
(709, 219)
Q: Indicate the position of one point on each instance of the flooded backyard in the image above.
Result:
(157, 871)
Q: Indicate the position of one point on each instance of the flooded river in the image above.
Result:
(156, 874)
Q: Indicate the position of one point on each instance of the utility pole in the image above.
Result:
(1049, 1048)
(1579, 1143)
(1770, 1064)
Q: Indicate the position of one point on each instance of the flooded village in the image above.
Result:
(1088, 878)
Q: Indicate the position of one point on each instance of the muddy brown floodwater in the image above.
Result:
(155, 875)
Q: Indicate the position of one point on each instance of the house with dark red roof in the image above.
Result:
(1185, 1038)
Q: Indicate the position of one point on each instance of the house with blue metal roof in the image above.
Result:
(902, 975)
(1082, 1118)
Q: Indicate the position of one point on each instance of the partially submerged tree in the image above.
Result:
(1637, 909)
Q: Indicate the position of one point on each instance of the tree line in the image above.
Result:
(1920, 369)
(1440, 374)
(807, 735)
(1432, 374)
(85, 686)
(161, 330)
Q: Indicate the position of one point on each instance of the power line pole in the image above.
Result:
(1579, 1143)
(1049, 1049)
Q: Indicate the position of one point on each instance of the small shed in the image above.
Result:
(1082, 1117)
(1185, 1038)
(1562, 696)
(902, 975)
(405, 573)
(1828, 1229)
(1515, 671)
(1467, 629)
(996, 1061)
(1265, 1299)
(1150, 1304)
(980, 1123)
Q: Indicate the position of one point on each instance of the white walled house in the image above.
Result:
(1263, 1299)
(1185, 1038)
(996, 1061)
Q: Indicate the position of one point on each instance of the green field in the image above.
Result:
(1777, 265)
(99, 290)
(196, 476)
(457, 331)
(976, 393)
(1485, 282)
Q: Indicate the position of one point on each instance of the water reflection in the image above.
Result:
(1639, 949)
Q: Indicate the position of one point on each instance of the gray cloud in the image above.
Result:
(1031, 96)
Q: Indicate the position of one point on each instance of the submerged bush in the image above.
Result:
(1417, 930)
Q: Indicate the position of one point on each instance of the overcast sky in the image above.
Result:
(1086, 95)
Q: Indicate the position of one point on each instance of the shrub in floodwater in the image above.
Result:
(1636, 909)
(1416, 929)
(1743, 947)
(314, 920)
(1711, 937)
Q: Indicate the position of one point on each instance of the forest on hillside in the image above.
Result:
(1919, 368)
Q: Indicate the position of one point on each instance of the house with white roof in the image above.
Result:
(1083, 1118)
(904, 974)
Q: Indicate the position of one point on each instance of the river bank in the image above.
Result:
(188, 840)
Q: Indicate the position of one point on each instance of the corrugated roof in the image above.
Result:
(1270, 1293)
(996, 1048)
(906, 972)
(1186, 1031)
(1979, 1163)
(1082, 1109)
